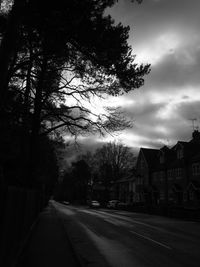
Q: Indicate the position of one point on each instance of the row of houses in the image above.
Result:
(165, 176)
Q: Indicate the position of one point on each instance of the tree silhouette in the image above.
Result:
(55, 57)
(114, 161)
(81, 176)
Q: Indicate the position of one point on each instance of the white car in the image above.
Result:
(94, 204)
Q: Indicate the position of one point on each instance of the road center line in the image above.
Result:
(152, 240)
(131, 220)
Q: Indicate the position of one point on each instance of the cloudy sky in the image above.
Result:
(165, 33)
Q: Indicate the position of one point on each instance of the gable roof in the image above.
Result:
(194, 184)
(190, 148)
(164, 149)
(176, 187)
(150, 155)
(191, 154)
(180, 143)
(193, 148)
(168, 153)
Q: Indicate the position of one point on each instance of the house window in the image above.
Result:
(196, 169)
(139, 180)
(162, 195)
(156, 176)
(191, 195)
(180, 153)
(170, 174)
(179, 173)
(142, 165)
(170, 195)
(185, 196)
(162, 158)
(162, 176)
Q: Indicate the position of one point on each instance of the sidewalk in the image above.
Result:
(48, 245)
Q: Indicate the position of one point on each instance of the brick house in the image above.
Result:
(193, 186)
(170, 176)
(127, 190)
(159, 175)
(123, 189)
(146, 161)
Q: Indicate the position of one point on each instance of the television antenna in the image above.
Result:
(168, 142)
(194, 127)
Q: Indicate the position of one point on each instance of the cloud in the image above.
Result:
(158, 123)
(189, 110)
(166, 35)
(176, 70)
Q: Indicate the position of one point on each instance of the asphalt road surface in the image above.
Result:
(126, 239)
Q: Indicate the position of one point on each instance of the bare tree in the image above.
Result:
(114, 160)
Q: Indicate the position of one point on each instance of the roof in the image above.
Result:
(190, 147)
(182, 143)
(151, 156)
(191, 151)
(195, 184)
(177, 188)
(164, 149)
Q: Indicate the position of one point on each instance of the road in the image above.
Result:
(126, 239)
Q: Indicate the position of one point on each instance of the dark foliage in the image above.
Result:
(74, 186)
(52, 59)
(92, 175)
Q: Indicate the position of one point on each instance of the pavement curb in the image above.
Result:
(23, 243)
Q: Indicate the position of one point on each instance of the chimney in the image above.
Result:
(196, 136)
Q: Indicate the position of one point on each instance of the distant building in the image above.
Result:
(124, 189)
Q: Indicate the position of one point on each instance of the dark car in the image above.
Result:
(122, 205)
(112, 204)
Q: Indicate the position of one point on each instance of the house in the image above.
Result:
(193, 186)
(126, 190)
(146, 162)
(159, 176)
(170, 176)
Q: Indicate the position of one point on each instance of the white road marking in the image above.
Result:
(107, 218)
(121, 217)
(152, 240)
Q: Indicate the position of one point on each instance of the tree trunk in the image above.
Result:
(27, 92)
(25, 144)
(36, 123)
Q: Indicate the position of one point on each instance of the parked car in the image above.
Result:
(112, 204)
(94, 204)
